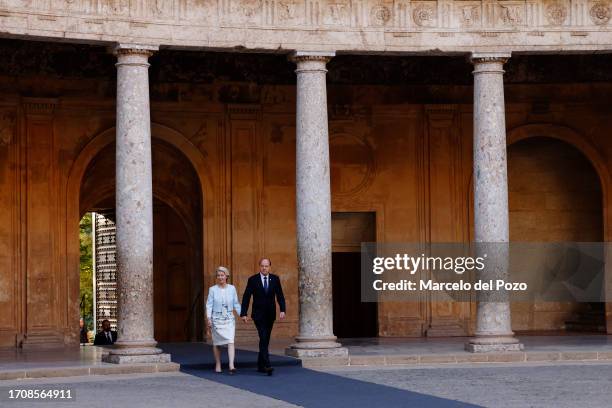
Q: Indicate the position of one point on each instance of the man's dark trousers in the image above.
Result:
(264, 330)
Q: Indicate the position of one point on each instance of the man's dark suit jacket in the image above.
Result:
(264, 306)
(101, 340)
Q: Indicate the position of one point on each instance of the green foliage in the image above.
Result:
(86, 286)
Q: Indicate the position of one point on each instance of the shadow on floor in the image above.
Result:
(200, 356)
(314, 389)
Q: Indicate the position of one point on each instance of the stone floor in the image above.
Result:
(68, 362)
(369, 351)
(77, 356)
(387, 351)
(422, 345)
(553, 385)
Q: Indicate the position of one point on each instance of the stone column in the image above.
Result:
(134, 211)
(313, 200)
(493, 324)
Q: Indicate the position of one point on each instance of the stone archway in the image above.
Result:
(579, 142)
(183, 211)
(557, 192)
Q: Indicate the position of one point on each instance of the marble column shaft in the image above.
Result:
(313, 200)
(134, 211)
(491, 224)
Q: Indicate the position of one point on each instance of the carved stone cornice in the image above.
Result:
(243, 111)
(39, 106)
(7, 128)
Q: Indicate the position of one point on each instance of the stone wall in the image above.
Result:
(400, 150)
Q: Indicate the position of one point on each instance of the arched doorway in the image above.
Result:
(555, 195)
(177, 234)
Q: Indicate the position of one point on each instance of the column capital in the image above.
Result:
(489, 57)
(134, 49)
(307, 56)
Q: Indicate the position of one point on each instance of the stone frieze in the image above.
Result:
(321, 13)
(260, 23)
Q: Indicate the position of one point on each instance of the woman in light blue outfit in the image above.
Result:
(222, 301)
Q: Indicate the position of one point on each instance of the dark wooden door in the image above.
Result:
(352, 318)
(172, 271)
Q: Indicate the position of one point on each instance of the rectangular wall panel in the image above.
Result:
(447, 208)
(246, 196)
(9, 229)
(40, 222)
(44, 288)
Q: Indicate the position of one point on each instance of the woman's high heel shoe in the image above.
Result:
(232, 371)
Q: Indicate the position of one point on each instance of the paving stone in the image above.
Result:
(57, 372)
(402, 359)
(583, 355)
(543, 356)
(12, 375)
(367, 360)
(471, 358)
(505, 357)
(433, 358)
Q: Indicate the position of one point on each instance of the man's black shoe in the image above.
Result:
(261, 370)
(269, 370)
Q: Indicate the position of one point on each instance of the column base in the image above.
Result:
(316, 352)
(131, 355)
(313, 347)
(490, 344)
(141, 358)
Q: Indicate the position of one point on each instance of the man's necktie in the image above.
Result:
(266, 284)
(108, 336)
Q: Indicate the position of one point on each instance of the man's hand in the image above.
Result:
(282, 315)
(245, 318)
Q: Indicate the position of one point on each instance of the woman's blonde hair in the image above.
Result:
(222, 269)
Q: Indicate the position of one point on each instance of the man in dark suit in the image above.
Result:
(106, 337)
(266, 290)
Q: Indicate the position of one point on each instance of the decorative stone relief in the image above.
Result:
(380, 15)
(288, 11)
(273, 95)
(556, 13)
(160, 8)
(337, 13)
(600, 13)
(352, 164)
(115, 7)
(469, 16)
(246, 11)
(511, 14)
(7, 127)
(424, 15)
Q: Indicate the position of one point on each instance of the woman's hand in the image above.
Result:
(209, 323)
